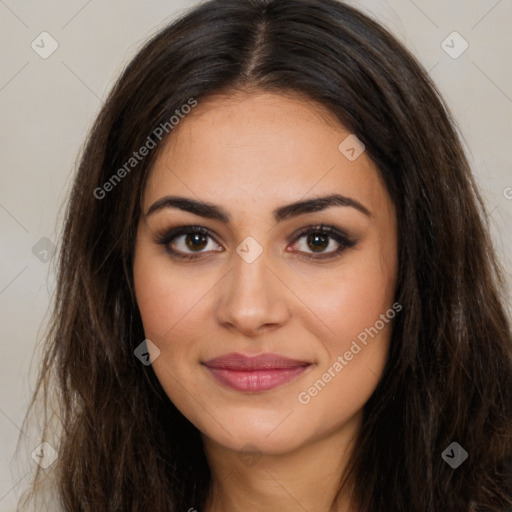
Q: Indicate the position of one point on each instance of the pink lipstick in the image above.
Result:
(255, 373)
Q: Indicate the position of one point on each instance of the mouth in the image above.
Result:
(256, 373)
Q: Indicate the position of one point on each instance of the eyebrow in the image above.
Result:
(212, 211)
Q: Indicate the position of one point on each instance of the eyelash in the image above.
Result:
(165, 238)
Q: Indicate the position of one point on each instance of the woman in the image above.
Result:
(277, 290)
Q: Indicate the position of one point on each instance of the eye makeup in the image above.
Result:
(197, 237)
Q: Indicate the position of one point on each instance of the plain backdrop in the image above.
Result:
(48, 104)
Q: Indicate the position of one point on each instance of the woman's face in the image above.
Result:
(264, 278)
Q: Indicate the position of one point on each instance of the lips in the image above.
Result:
(255, 373)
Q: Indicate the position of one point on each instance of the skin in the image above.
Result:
(250, 154)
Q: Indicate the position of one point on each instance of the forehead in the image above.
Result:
(260, 147)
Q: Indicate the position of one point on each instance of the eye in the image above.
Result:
(180, 241)
(323, 242)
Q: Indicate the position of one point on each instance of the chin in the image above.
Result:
(268, 437)
(260, 442)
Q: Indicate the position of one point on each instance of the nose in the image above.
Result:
(252, 299)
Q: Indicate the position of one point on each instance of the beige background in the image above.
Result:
(48, 105)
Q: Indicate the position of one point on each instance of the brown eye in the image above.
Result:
(196, 241)
(188, 242)
(322, 242)
(317, 242)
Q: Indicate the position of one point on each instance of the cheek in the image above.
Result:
(156, 301)
(358, 312)
(352, 298)
(168, 300)
(170, 304)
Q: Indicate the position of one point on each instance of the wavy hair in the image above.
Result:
(448, 376)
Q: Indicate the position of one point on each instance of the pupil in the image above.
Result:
(193, 241)
(319, 242)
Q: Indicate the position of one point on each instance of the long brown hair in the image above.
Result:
(123, 445)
